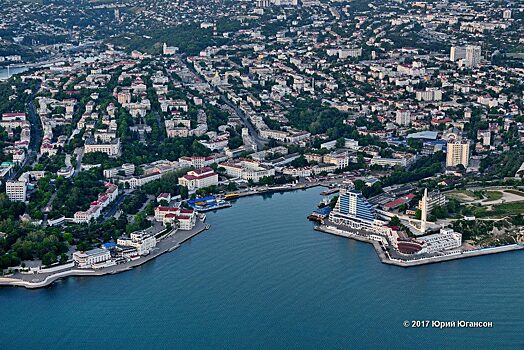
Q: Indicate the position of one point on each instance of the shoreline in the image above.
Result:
(171, 242)
(168, 244)
(385, 258)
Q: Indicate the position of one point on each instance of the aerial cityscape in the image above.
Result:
(130, 128)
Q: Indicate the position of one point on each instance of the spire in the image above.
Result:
(424, 209)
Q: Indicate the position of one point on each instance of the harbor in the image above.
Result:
(168, 243)
(256, 269)
(386, 257)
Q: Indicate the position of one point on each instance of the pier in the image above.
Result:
(386, 258)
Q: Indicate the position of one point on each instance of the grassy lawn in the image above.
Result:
(516, 192)
(500, 210)
(462, 195)
(492, 195)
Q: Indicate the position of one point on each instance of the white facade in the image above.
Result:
(473, 56)
(457, 153)
(403, 117)
(141, 241)
(85, 260)
(457, 53)
(199, 178)
(112, 149)
(247, 170)
(16, 191)
(445, 240)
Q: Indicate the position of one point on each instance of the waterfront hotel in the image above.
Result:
(354, 211)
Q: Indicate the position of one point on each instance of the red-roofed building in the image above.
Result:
(199, 178)
(183, 219)
(399, 201)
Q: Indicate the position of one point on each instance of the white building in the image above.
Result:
(183, 219)
(390, 162)
(457, 153)
(16, 191)
(473, 56)
(96, 207)
(86, 260)
(143, 242)
(445, 240)
(457, 53)
(112, 148)
(429, 95)
(125, 169)
(403, 117)
(247, 169)
(199, 178)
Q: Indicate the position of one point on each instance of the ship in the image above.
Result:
(319, 214)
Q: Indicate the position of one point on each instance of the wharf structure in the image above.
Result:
(354, 217)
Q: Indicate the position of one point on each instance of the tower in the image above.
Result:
(424, 211)
(473, 56)
(457, 153)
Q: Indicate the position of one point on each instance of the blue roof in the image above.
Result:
(108, 245)
(323, 211)
(205, 199)
(429, 135)
(437, 142)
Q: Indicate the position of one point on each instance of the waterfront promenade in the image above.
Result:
(170, 242)
(386, 258)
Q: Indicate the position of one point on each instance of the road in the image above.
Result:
(260, 142)
(79, 151)
(36, 135)
(114, 207)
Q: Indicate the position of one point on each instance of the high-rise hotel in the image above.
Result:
(353, 210)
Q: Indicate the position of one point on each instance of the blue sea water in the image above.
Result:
(262, 278)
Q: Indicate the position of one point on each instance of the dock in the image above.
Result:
(330, 191)
(386, 258)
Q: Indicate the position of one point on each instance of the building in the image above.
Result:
(457, 153)
(139, 181)
(403, 117)
(183, 219)
(96, 207)
(353, 210)
(434, 199)
(348, 143)
(389, 162)
(16, 190)
(125, 170)
(457, 53)
(473, 56)
(340, 160)
(247, 169)
(429, 95)
(141, 241)
(444, 240)
(506, 14)
(201, 161)
(199, 178)
(112, 148)
(164, 197)
(87, 259)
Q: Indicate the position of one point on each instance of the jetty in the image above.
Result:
(386, 257)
